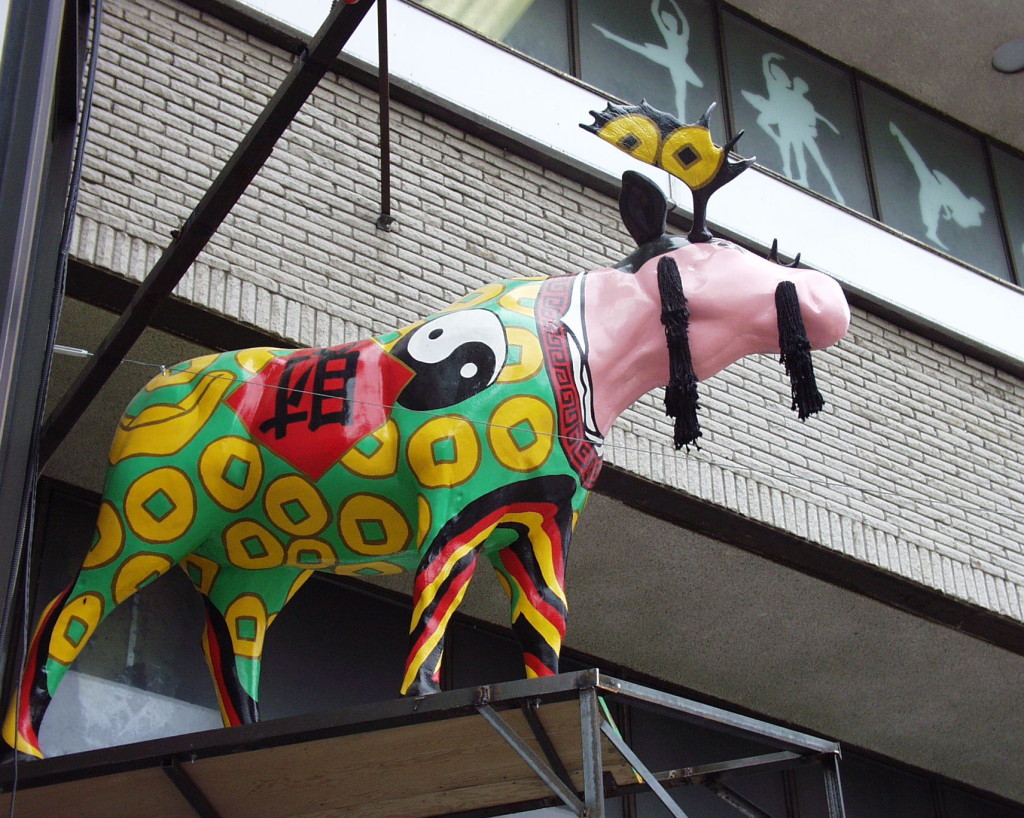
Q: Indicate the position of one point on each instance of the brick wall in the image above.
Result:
(914, 466)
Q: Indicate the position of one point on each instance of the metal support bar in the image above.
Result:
(721, 769)
(529, 709)
(736, 801)
(385, 220)
(649, 778)
(833, 786)
(187, 787)
(543, 771)
(207, 217)
(593, 770)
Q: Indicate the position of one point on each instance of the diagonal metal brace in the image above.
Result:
(649, 779)
(537, 764)
(206, 218)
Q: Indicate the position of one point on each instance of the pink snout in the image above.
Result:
(823, 306)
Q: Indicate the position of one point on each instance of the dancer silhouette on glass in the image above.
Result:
(790, 119)
(675, 29)
(939, 196)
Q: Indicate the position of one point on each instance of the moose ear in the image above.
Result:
(643, 207)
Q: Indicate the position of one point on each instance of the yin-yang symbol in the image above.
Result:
(454, 357)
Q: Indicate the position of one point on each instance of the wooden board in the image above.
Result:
(405, 772)
(139, 793)
(416, 770)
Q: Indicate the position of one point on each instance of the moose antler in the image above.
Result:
(685, 151)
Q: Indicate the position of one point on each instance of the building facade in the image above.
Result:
(859, 576)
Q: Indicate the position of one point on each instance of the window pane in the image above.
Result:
(932, 181)
(663, 743)
(538, 28)
(798, 112)
(960, 804)
(1010, 182)
(873, 790)
(663, 51)
(143, 674)
(333, 647)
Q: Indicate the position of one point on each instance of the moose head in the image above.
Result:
(476, 431)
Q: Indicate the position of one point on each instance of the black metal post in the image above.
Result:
(385, 220)
(593, 769)
(206, 218)
(40, 83)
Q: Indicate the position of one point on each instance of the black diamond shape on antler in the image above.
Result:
(687, 156)
(629, 142)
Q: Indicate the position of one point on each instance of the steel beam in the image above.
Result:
(649, 778)
(535, 762)
(190, 792)
(206, 218)
(593, 769)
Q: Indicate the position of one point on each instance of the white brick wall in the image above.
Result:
(914, 467)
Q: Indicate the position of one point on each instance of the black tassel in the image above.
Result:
(796, 351)
(681, 391)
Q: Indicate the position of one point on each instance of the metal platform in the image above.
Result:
(484, 751)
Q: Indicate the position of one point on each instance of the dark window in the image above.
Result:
(537, 28)
(797, 112)
(960, 804)
(932, 181)
(663, 51)
(873, 789)
(1009, 172)
(664, 744)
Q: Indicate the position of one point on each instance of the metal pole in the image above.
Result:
(39, 91)
(649, 778)
(535, 762)
(593, 769)
(385, 221)
(207, 217)
(833, 786)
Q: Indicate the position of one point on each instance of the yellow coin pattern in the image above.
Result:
(521, 299)
(251, 545)
(231, 471)
(160, 506)
(373, 525)
(525, 357)
(295, 506)
(521, 433)
(376, 455)
(109, 538)
(444, 452)
(246, 618)
(202, 571)
(137, 572)
(306, 552)
(74, 626)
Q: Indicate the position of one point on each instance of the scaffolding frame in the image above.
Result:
(489, 750)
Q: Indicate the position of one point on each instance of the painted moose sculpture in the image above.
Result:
(474, 432)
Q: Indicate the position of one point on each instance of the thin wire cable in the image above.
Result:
(703, 455)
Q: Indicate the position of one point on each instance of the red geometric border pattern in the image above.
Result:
(552, 304)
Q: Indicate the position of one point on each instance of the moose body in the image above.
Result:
(476, 431)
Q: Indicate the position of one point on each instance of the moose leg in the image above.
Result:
(441, 582)
(532, 572)
(240, 607)
(117, 565)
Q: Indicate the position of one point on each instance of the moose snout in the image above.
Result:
(823, 306)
